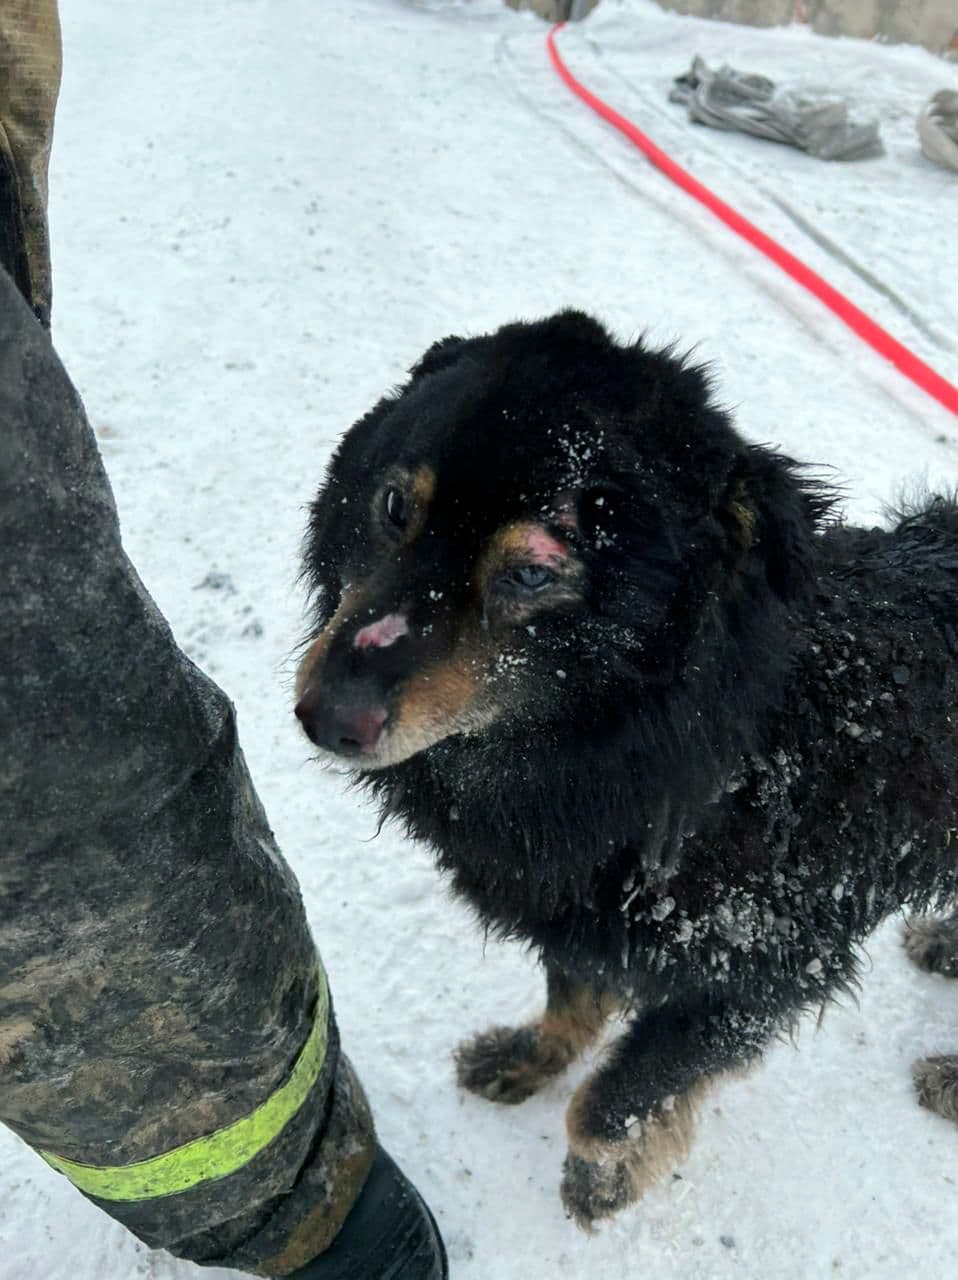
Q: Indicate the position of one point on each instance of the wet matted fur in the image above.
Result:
(658, 714)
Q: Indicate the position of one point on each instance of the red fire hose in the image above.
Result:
(878, 338)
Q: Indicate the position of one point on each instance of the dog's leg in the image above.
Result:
(631, 1122)
(936, 1082)
(932, 944)
(509, 1064)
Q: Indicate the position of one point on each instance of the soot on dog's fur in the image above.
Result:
(656, 713)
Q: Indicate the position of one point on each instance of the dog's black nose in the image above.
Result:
(345, 730)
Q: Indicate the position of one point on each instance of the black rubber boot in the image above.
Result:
(389, 1234)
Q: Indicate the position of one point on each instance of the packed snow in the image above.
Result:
(262, 212)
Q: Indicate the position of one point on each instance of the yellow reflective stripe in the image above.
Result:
(220, 1153)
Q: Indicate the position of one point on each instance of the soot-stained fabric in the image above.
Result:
(157, 976)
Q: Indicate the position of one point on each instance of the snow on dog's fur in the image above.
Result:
(657, 714)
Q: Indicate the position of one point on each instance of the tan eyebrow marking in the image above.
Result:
(522, 542)
(423, 485)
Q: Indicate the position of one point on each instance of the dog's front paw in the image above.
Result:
(506, 1064)
(613, 1160)
(592, 1190)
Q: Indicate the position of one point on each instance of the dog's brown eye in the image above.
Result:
(394, 508)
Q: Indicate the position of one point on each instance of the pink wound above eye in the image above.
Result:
(544, 548)
(382, 633)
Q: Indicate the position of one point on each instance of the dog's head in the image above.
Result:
(539, 519)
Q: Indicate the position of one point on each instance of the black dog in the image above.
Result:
(657, 714)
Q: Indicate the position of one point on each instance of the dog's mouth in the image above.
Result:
(374, 696)
(366, 736)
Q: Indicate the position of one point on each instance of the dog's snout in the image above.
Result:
(344, 730)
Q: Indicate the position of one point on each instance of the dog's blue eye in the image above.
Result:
(530, 577)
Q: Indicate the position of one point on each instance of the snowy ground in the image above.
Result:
(262, 211)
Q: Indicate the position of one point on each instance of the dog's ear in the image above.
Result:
(439, 356)
(575, 330)
(770, 514)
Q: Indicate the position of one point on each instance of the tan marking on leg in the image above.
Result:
(656, 1142)
(601, 1176)
(509, 1064)
(577, 1024)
